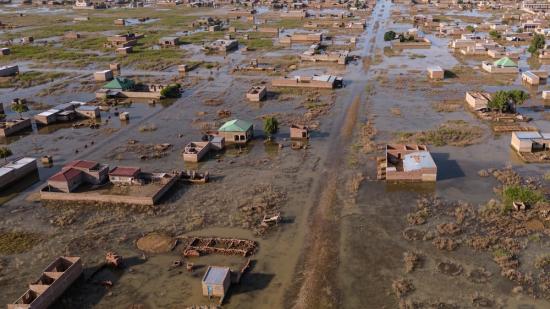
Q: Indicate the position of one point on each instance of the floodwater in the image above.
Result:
(262, 175)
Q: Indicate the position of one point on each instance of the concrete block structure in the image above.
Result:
(88, 111)
(237, 131)
(478, 100)
(11, 127)
(9, 70)
(530, 141)
(216, 281)
(16, 170)
(315, 81)
(256, 93)
(169, 41)
(77, 173)
(223, 45)
(53, 282)
(530, 78)
(103, 76)
(124, 175)
(195, 151)
(298, 131)
(412, 163)
(436, 72)
(504, 65)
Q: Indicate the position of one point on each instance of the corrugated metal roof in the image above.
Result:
(236, 125)
(527, 135)
(215, 275)
(5, 170)
(417, 160)
(20, 163)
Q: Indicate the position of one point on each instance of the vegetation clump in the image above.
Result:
(537, 43)
(171, 91)
(17, 242)
(506, 101)
(451, 133)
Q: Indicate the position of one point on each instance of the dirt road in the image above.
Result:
(319, 288)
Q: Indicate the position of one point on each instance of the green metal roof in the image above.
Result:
(236, 125)
(505, 62)
(120, 83)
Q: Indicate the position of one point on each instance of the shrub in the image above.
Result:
(171, 91)
(390, 36)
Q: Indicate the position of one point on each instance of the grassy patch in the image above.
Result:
(17, 242)
(50, 54)
(447, 106)
(29, 79)
(258, 44)
(451, 133)
(518, 193)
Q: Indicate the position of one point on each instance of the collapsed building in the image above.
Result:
(53, 282)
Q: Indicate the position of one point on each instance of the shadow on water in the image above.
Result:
(17, 187)
(92, 286)
(250, 281)
(447, 169)
(411, 187)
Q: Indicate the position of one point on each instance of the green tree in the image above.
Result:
(390, 36)
(517, 97)
(5, 152)
(506, 101)
(537, 43)
(470, 28)
(19, 108)
(271, 126)
(171, 91)
(495, 34)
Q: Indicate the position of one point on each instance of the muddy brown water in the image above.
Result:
(369, 242)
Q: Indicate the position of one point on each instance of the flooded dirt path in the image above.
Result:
(319, 289)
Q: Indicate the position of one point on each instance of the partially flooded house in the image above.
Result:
(436, 72)
(407, 163)
(315, 81)
(169, 41)
(66, 112)
(216, 282)
(9, 70)
(222, 46)
(195, 151)
(314, 54)
(53, 282)
(11, 127)
(530, 141)
(301, 38)
(256, 93)
(77, 173)
(121, 87)
(103, 76)
(504, 65)
(16, 170)
(478, 100)
(237, 131)
(298, 131)
(89, 181)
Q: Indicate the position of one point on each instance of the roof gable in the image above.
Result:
(236, 125)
